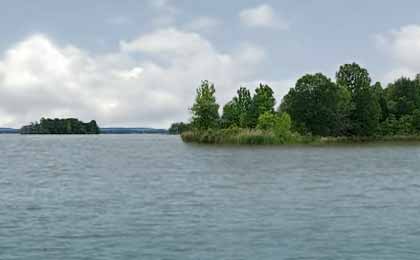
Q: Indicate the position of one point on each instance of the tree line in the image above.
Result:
(351, 106)
(61, 126)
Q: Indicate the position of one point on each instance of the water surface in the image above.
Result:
(153, 197)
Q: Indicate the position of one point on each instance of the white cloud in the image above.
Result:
(262, 16)
(41, 78)
(168, 42)
(26, 67)
(403, 48)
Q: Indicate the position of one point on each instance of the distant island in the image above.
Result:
(70, 126)
(317, 110)
(67, 126)
(8, 130)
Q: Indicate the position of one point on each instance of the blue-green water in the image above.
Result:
(153, 197)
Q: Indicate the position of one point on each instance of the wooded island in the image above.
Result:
(316, 110)
(61, 126)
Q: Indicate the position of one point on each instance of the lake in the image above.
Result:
(154, 197)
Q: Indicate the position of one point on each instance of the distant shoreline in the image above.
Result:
(135, 130)
(104, 131)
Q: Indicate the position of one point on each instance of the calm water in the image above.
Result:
(153, 197)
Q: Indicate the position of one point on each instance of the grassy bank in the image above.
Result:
(259, 137)
(370, 139)
(243, 137)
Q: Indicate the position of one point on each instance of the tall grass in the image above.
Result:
(237, 136)
(369, 139)
(240, 136)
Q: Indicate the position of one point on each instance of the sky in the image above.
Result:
(138, 62)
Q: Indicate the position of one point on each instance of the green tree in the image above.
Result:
(365, 110)
(380, 95)
(317, 106)
(93, 127)
(244, 101)
(283, 126)
(262, 102)
(353, 77)
(205, 110)
(416, 120)
(403, 97)
(405, 125)
(279, 124)
(237, 111)
(267, 121)
(231, 114)
(366, 113)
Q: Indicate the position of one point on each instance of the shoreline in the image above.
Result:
(268, 138)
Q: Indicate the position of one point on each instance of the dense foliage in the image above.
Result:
(246, 119)
(350, 108)
(61, 126)
(318, 106)
(238, 111)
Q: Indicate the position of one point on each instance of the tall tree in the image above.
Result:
(380, 95)
(403, 97)
(317, 106)
(231, 114)
(365, 109)
(262, 102)
(237, 111)
(366, 114)
(205, 110)
(244, 102)
(353, 77)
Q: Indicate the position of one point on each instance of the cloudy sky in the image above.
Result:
(138, 62)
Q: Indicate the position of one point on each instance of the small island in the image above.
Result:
(317, 110)
(67, 126)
